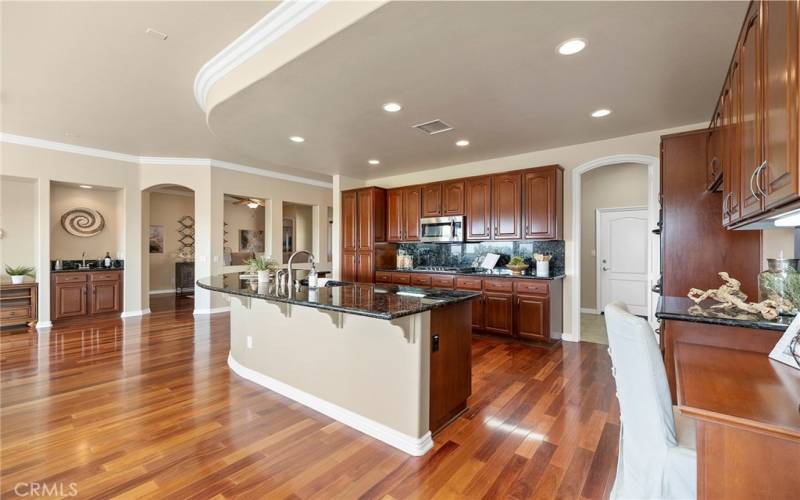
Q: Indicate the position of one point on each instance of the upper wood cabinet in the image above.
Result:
(507, 206)
(432, 200)
(453, 197)
(363, 225)
(478, 208)
(349, 220)
(403, 213)
(543, 203)
(750, 139)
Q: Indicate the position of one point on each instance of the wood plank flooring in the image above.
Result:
(147, 408)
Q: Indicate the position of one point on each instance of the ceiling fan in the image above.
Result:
(250, 202)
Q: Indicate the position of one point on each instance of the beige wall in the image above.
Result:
(18, 221)
(775, 241)
(111, 239)
(614, 186)
(303, 220)
(241, 217)
(165, 210)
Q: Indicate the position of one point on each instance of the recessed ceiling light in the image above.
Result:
(571, 46)
(85, 186)
(392, 107)
(374, 162)
(601, 113)
(296, 138)
(462, 143)
(156, 33)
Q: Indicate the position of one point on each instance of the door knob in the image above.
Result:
(605, 268)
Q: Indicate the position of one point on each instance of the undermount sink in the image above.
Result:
(328, 284)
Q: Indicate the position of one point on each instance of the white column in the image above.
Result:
(43, 250)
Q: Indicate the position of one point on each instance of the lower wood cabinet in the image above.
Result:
(498, 310)
(77, 294)
(532, 317)
(19, 304)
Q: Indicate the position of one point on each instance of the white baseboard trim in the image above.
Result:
(131, 314)
(568, 337)
(588, 310)
(43, 324)
(215, 310)
(403, 442)
(158, 292)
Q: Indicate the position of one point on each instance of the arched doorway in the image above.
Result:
(168, 218)
(653, 257)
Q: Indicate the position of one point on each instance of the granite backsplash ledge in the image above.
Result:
(471, 254)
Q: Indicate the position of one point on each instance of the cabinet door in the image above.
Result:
(453, 198)
(432, 200)
(105, 296)
(411, 211)
(477, 313)
(542, 208)
(732, 173)
(749, 61)
(394, 215)
(349, 267)
(713, 149)
(365, 222)
(507, 206)
(532, 313)
(70, 300)
(478, 208)
(365, 264)
(349, 220)
(780, 173)
(498, 313)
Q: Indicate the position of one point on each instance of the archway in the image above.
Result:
(653, 182)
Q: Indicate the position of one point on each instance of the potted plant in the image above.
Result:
(18, 273)
(517, 265)
(263, 266)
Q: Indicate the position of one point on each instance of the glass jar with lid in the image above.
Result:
(781, 282)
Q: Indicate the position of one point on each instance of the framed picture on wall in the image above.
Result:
(251, 241)
(156, 239)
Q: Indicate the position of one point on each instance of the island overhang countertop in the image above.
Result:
(381, 301)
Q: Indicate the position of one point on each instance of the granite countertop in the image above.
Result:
(684, 309)
(364, 299)
(91, 270)
(495, 273)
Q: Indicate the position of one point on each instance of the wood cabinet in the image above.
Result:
(363, 228)
(498, 313)
(749, 133)
(532, 317)
(543, 189)
(432, 200)
(478, 208)
(77, 294)
(507, 206)
(19, 304)
(403, 210)
(450, 364)
(184, 277)
(453, 197)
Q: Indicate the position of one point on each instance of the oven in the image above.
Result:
(442, 229)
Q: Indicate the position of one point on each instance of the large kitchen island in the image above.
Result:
(391, 361)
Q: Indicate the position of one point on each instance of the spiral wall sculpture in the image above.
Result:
(84, 222)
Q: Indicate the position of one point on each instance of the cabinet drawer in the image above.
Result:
(535, 287)
(15, 312)
(468, 284)
(441, 281)
(109, 276)
(501, 285)
(383, 277)
(401, 278)
(421, 279)
(70, 277)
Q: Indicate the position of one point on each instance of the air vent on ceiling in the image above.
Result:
(433, 127)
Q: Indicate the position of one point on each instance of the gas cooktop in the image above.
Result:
(445, 269)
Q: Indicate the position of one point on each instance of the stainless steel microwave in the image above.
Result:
(442, 229)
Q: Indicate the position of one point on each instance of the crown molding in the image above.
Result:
(277, 22)
(157, 160)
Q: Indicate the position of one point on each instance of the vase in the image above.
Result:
(17, 280)
(263, 276)
(542, 268)
(517, 269)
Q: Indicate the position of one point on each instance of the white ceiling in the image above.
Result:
(85, 73)
(490, 70)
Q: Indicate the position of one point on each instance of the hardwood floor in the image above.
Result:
(148, 408)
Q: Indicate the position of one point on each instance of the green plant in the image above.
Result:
(20, 271)
(516, 261)
(263, 264)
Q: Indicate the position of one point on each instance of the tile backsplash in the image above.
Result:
(471, 254)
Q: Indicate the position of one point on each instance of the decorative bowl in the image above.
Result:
(517, 269)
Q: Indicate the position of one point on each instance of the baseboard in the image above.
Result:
(403, 442)
(158, 292)
(43, 324)
(587, 310)
(568, 337)
(215, 310)
(132, 314)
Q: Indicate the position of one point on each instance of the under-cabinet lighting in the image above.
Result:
(792, 219)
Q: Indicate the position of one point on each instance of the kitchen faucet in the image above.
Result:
(83, 259)
(291, 259)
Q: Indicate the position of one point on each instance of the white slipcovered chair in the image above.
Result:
(655, 460)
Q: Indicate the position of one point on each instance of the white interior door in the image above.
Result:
(622, 258)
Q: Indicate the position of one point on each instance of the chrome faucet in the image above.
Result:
(83, 259)
(291, 259)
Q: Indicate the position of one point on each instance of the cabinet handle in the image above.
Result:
(763, 166)
(753, 176)
(726, 206)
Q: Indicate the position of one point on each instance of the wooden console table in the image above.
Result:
(747, 413)
(18, 304)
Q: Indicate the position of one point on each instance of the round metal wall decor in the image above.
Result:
(84, 222)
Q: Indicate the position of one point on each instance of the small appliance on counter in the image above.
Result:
(442, 229)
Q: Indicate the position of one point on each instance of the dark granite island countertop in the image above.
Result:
(684, 309)
(380, 301)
